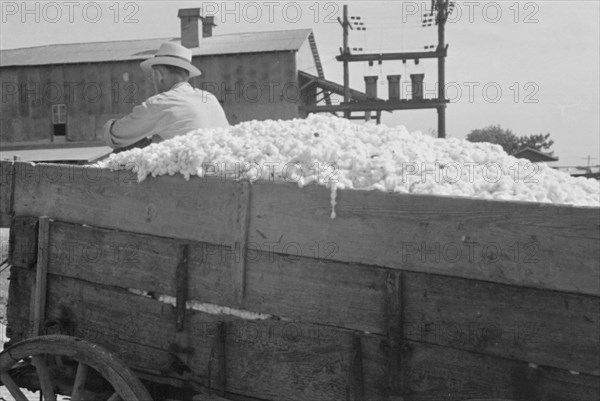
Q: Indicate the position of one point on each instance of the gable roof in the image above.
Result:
(95, 52)
(535, 155)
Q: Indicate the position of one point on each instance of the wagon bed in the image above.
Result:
(401, 296)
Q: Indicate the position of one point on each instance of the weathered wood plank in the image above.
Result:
(519, 243)
(240, 226)
(7, 177)
(169, 206)
(355, 389)
(181, 278)
(329, 293)
(123, 334)
(544, 327)
(445, 374)
(394, 342)
(114, 258)
(24, 232)
(41, 275)
(265, 359)
(525, 244)
(298, 361)
(18, 309)
(319, 291)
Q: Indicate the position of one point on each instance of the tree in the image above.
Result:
(495, 134)
(510, 142)
(537, 142)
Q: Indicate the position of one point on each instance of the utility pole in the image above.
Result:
(345, 51)
(589, 162)
(442, 16)
(371, 103)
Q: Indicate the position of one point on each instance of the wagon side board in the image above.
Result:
(268, 358)
(421, 297)
(524, 244)
(456, 337)
(543, 327)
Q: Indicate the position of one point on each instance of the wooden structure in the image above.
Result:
(535, 156)
(254, 76)
(400, 297)
(67, 92)
(442, 9)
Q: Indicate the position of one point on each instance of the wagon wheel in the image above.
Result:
(87, 356)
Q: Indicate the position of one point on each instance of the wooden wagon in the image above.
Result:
(210, 289)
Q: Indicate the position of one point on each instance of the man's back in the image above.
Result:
(183, 109)
(175, 112)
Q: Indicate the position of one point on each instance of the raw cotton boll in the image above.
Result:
(337, 153)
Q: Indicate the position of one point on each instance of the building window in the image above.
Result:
(59, 119)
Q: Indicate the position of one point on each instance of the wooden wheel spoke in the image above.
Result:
(46, 385)
(12, 387)
(114, 397)
(54, 374)
(79, 384)
(58, 360)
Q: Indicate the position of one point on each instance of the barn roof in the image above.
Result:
(535, 155)
(235, 43)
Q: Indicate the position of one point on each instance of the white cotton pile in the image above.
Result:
(203, 307)
(339, 154)
(215, 309)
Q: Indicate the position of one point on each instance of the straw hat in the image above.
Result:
(173, 54)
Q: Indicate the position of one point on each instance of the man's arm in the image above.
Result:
(140, 123)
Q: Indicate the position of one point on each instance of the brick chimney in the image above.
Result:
(192, 23)
(207, 26)
(371, 86)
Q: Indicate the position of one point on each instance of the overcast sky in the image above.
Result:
(529, 66)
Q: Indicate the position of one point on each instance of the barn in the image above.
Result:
(64, 93)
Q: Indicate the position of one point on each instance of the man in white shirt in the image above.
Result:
(177, 109)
